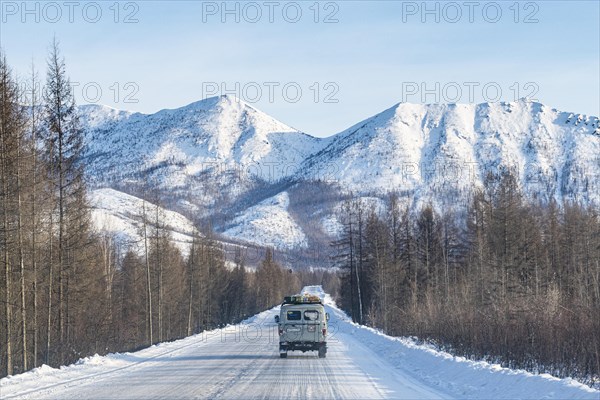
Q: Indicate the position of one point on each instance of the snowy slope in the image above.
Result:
(439, 151)
(242, 361)
(217, 134)
(268, 224)
(121, 215)
(330, 223)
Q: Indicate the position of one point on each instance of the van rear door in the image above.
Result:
(304, 323)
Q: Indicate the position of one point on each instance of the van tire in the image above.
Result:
(282, 355)
(322, 352)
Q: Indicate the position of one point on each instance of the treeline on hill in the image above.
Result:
(507, 281)
(67, 291)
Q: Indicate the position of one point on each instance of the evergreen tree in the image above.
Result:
(64, 145)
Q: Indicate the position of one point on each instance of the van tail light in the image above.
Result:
(324, 331)
(280, 331)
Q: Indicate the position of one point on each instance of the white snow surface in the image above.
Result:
(268, 224)
(121, 215)
(242, 361)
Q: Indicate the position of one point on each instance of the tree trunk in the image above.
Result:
(34, 215)
(148, 281)
(191, 287)
(359, 266)
(21, 263)
(160, 280)
(7, 276)
(50, 284)
(4, 154)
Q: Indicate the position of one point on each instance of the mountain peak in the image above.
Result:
(179, 146)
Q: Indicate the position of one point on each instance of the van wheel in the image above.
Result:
(282, 355)
(322, 352)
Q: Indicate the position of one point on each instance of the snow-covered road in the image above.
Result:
(242, 362)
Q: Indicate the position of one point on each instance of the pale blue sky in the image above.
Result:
(372, 57)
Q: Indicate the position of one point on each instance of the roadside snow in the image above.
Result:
(463, 378)
(46, 380)
(242, 361)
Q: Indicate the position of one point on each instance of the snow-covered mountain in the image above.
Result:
(438, 151)
(221, 156)
(217, 132)
(214, 147)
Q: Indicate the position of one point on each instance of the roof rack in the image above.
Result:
(302, 299)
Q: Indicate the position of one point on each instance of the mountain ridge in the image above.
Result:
(410, 138)
(221, 154)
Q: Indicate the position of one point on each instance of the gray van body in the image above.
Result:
(302, 327)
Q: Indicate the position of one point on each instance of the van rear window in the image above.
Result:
(311, 315)
(294, 315)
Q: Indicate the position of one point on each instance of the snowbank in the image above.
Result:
(458, 376)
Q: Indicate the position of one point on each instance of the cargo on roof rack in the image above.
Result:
(302, 299)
